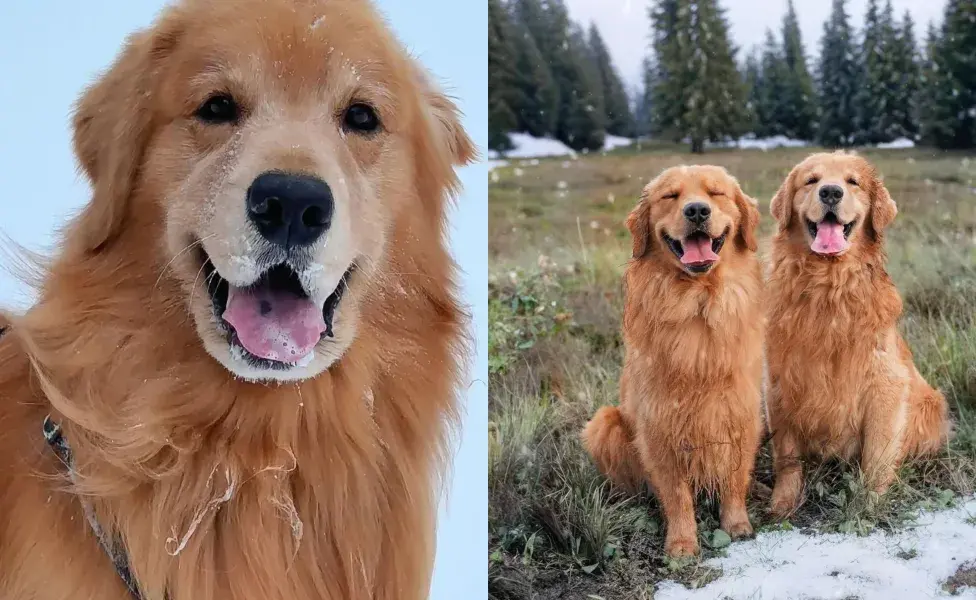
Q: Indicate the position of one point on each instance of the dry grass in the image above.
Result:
(557, 244)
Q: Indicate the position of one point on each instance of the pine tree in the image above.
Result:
(752, 76)
(774, 101)
(930, 80)
(798, 122)
(581, 119)
(536, 97)
(644, 106)
(666, 92)
(702, 78)
(904, 111)
(837, 78)
(616, 105)
(950, 119)
(501, 78)
(876, 96)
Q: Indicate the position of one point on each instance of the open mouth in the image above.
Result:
(830, 236)
(698, 252)
(272, 323)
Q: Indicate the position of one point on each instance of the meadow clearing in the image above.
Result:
(557, 248)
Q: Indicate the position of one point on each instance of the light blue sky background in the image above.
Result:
(50, 49)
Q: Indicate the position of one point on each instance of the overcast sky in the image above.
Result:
(624, 24)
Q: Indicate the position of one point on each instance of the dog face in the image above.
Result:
(833, 202)
(687, 215)
(277, 141)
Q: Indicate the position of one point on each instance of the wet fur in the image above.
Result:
(689, 418)
(320, 489)
(842, 380)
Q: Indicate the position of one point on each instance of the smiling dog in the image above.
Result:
(842, 380)
(689, 417)
(249, 345)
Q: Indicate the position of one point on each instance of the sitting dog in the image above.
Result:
(842, 380)
(689, 415)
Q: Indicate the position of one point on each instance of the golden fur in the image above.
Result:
(689, 417)
(842, 380)
(319, 484)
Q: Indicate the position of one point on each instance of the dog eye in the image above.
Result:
(219, 108)
(852, 181)
(813, 179)
(715, 193)
(670, 196)
(361, 117)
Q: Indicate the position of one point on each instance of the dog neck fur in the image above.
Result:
(224, 488)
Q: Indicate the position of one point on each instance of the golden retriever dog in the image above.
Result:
(248, 345)
(689, 418)
(842, 380)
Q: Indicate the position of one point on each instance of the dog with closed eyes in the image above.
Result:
(241, 370)
(689, 418)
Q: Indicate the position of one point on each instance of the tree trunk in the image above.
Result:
(697, 146)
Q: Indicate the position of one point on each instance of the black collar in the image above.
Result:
(112, 545)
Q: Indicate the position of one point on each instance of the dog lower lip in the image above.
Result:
(674, 245)
(848, 229)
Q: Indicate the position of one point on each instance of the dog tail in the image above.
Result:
(609, 439)
(930, 426)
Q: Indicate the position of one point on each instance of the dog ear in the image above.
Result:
(749, 209)
(440, 144)
(112, 123)
(639, 224)
(781, 206)
(883, 208)
(447, 117)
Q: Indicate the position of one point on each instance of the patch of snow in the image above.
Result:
(896, 144)
(527, 146)
(615, 141)
(764, 144)
(904, 565)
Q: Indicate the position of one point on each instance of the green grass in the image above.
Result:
(557, 529)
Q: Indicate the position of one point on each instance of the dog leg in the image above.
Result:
(789, 473)
(885, 421)
(734, 517)
(678, 505)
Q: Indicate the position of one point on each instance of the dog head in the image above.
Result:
(265, 149)
(687, 216)
(833, 202)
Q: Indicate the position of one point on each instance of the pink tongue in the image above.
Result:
(275, 325)
(830, 238)
(698, 250)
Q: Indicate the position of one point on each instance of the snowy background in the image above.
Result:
(49, 50)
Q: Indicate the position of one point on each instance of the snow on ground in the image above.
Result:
(897, 144)
(615, 141)
(788, 565)
(527, 146)
(764, 144)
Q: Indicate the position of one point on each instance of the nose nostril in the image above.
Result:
(704, 211)
(314, 216)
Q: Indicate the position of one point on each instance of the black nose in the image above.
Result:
(831, 194)
(697, 212)
(289, 209)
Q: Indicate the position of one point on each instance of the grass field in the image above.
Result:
(557, 248)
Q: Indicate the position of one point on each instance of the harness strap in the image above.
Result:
(112, 546)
